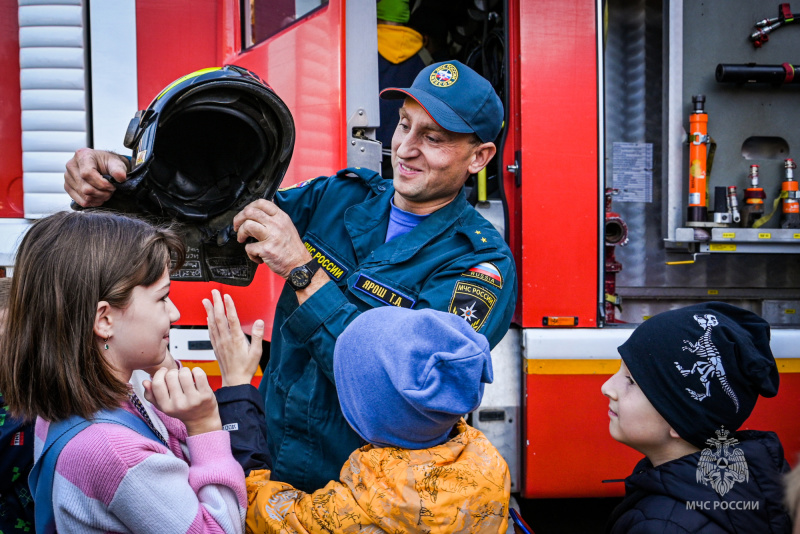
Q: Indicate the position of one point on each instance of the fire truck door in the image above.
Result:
(325, 67)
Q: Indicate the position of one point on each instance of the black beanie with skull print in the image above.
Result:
(703, 367)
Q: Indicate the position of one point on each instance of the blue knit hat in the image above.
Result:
(405, 377)
(456, 97)
(702, 367)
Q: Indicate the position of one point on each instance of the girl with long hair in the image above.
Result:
(89, 304)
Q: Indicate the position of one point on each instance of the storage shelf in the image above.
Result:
(733, 240)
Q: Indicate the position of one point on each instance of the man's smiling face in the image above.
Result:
(430, 163)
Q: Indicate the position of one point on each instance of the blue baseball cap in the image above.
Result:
(456, 97)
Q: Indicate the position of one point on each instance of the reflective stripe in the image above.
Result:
(609, 367)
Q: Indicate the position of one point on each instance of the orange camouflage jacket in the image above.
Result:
(460, 486)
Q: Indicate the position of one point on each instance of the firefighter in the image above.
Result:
(354, 241)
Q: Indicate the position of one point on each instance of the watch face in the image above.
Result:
(300, 277)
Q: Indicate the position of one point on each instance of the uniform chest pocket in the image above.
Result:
(376, 290)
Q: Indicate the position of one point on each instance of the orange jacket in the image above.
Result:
(462, 486)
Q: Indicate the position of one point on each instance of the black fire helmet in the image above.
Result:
(209, 144)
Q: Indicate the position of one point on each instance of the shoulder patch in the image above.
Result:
(298, 185)
(334, 267)
(486, 272)
(473, 302)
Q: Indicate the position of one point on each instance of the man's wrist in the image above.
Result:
(125, 159)
(320, 279)
(301, 276)
(302, 260)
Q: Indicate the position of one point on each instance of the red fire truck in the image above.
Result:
(589, 184)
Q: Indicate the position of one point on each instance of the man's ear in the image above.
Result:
(673, 434)
(103, 320)
(482, 156)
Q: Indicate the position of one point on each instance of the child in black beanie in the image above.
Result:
(689, 379)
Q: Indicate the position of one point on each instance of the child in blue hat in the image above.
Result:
(689, 379)
(405, 379)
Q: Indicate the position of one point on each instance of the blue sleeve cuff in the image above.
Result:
(241, 410)
(306, 319)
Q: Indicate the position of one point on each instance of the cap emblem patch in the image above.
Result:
(444, 75)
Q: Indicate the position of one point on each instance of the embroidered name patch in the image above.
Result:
(383, 293)
(332, 266)
(472, 302)
(486, 272)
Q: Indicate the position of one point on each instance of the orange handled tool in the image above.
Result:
(753, 200)
(790, 218)
(698, 159)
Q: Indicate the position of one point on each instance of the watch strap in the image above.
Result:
(313, 266)
(310, 269)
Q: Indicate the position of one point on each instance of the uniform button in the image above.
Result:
(381, 188)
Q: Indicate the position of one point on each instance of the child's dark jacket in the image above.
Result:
(16, 460)
(656, 497)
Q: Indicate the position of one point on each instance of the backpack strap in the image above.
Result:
(59, 434)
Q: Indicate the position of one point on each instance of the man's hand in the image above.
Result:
(238, 359)
(187, 396)
(278, 243)
(83, 180)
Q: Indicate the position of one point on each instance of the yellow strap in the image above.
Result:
(765, 219)
(482, 185)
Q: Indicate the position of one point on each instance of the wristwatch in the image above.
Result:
(300, 277)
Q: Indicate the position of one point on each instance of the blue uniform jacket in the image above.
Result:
(454, 260)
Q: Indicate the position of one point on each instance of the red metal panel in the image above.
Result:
(172, 39)
(305, 66)
(512, 145)
(559, 117)
(779, 414)
(256, 301)
(569, 451)
(10, 114)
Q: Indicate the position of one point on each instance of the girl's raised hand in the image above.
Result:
(238, 359)
(185, 394)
